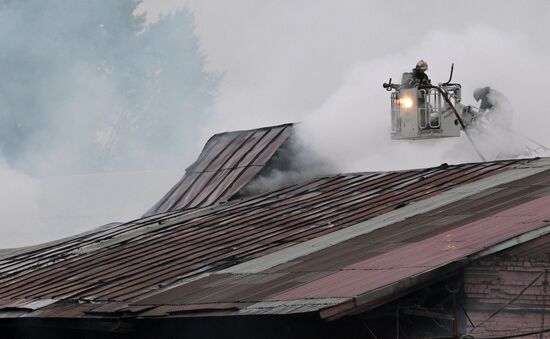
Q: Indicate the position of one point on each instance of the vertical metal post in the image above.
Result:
(397, 321)
(454, 292)
(455, 317)
(544, 288)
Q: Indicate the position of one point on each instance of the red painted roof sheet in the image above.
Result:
(412, 259)
(158, 261)
(349, 271)
(179, 246)
(227, 163)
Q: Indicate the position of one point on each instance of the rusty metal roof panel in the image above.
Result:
(257, 227)
(262, 308)
(226, 164)
(167, 310)
(140, 262)
(62, 310)
(398, 254)
(422, 256)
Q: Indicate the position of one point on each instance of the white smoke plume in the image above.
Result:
(323, 64)
(352, 127)
(97, 112)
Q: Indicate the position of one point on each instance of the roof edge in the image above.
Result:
(373, 299)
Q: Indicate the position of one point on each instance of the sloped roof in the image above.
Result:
(227, 163)
(332, 245)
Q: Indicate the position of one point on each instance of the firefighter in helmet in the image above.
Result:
(417, 77)
(485, 95)
(494, 106)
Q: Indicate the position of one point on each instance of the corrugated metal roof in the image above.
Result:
(424, 255)
(355, 269)
(164, 260)
(227, 163)
(171, 248)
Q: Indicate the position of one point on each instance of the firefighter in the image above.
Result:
(486, 96)
(417, 77)
(494, 105)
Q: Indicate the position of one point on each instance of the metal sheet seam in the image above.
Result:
(226, 169)
(33, 304)
(9, 253)
(172, 204)
(520, 239)
(300, 302)
(125, 236)
(290, 253)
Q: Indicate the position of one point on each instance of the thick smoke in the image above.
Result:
(295, 161)
(352, 127)
(323, 64)
(87, 86)
(313, 61)
(89, 94)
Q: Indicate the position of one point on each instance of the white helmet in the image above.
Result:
(422, 66)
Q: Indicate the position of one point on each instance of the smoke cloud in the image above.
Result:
(323, 64)
(352, 127)
(312, 61)
(90, 95)
(89, 87)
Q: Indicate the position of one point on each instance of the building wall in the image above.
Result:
(507, 293)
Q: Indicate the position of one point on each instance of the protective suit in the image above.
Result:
(417, 77)
(494, 106)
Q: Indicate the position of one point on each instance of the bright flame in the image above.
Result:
(407, 102)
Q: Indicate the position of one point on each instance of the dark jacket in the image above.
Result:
(415, 78)
(482, 94)
(494, 106)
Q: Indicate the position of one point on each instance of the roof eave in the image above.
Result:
(388, 293)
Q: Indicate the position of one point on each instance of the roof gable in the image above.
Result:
(226, 164)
